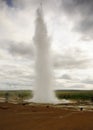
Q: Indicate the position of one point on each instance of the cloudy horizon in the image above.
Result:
(70, 30)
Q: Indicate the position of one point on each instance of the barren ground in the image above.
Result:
(43, 117)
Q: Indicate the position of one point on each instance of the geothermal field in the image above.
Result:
(46, 108)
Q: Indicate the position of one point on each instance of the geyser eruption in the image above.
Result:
(43, 92)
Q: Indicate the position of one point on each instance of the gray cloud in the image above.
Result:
(88, 81)
(82, 12)
(79, 11)
(22, 50)
(25, 50)
(14, 26)
(72, 59)
(66, 76)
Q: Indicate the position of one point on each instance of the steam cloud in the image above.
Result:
(43, 92)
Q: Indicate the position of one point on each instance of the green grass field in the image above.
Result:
(75, 94)
(20, 95)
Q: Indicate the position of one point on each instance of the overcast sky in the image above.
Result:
(70, 29)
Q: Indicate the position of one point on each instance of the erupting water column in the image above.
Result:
(43, 92)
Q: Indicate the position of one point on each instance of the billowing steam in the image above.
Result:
(43, 92)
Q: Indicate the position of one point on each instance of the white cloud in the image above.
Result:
(72, 57)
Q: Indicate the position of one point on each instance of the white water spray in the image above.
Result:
(43, 92)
